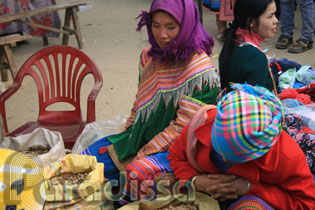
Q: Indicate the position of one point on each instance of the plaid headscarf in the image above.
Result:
(192, 35)
(248, 123)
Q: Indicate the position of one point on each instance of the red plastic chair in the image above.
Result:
(60, 81)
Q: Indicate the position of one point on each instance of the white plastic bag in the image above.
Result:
(39, 137)
(97, 130)
(306, 112)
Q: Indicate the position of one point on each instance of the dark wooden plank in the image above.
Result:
(43, 27)
(12, 38)
(37, 11)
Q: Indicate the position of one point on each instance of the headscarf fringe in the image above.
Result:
(144, 17)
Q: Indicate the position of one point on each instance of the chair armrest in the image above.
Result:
(91, 102)
(3, 97)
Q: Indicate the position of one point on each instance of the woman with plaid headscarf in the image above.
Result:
(239, 153)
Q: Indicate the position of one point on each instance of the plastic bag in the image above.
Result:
(2, 87)
(202, 201)
(72, 195)
(40, 137)
(97, 130)
(306, 112)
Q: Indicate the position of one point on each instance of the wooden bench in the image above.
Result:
(70, 14)
(7, 60)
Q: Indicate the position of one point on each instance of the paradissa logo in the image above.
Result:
(20, 178)
(112, 190)
(22, 186)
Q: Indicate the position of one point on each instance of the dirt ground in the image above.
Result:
(111, 41)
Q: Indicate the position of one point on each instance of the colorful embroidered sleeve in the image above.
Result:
(154, 125)
(142, 62)
(162, 141)
(183, 170)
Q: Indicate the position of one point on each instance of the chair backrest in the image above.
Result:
(59, 72)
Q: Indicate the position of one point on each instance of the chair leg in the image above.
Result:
(9, 55)
(76, 26)
(65, 37)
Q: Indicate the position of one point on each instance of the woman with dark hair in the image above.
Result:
(176, 77)
(241, 60)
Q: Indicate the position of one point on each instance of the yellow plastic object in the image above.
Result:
(70, 195)
(20, 182)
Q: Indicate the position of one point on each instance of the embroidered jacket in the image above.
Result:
(154, 124)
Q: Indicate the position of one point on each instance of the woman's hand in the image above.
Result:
(231, 190)
(212, 183)
(222, 186)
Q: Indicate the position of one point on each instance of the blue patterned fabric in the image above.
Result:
(110, 170)
(140, 177)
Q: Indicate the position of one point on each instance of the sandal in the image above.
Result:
(300, 46)
(283, 42)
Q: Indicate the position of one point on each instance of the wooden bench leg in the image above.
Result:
(3, 65)
(9, 55)
(45, 40)
(76, 26)
(68, 16)
(71, 14)
(4, 74)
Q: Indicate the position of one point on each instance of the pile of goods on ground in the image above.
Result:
(36, 150)
(70, 178)
(181, 207)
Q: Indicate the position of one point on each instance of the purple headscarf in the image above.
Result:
(192, 35)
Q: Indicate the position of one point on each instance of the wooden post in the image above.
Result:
(3, 65)
(76, 26)
(10, 59)
(65, 37)
(7, 55)
(45, 40)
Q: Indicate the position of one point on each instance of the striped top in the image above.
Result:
(160, 90)
(158, 80)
